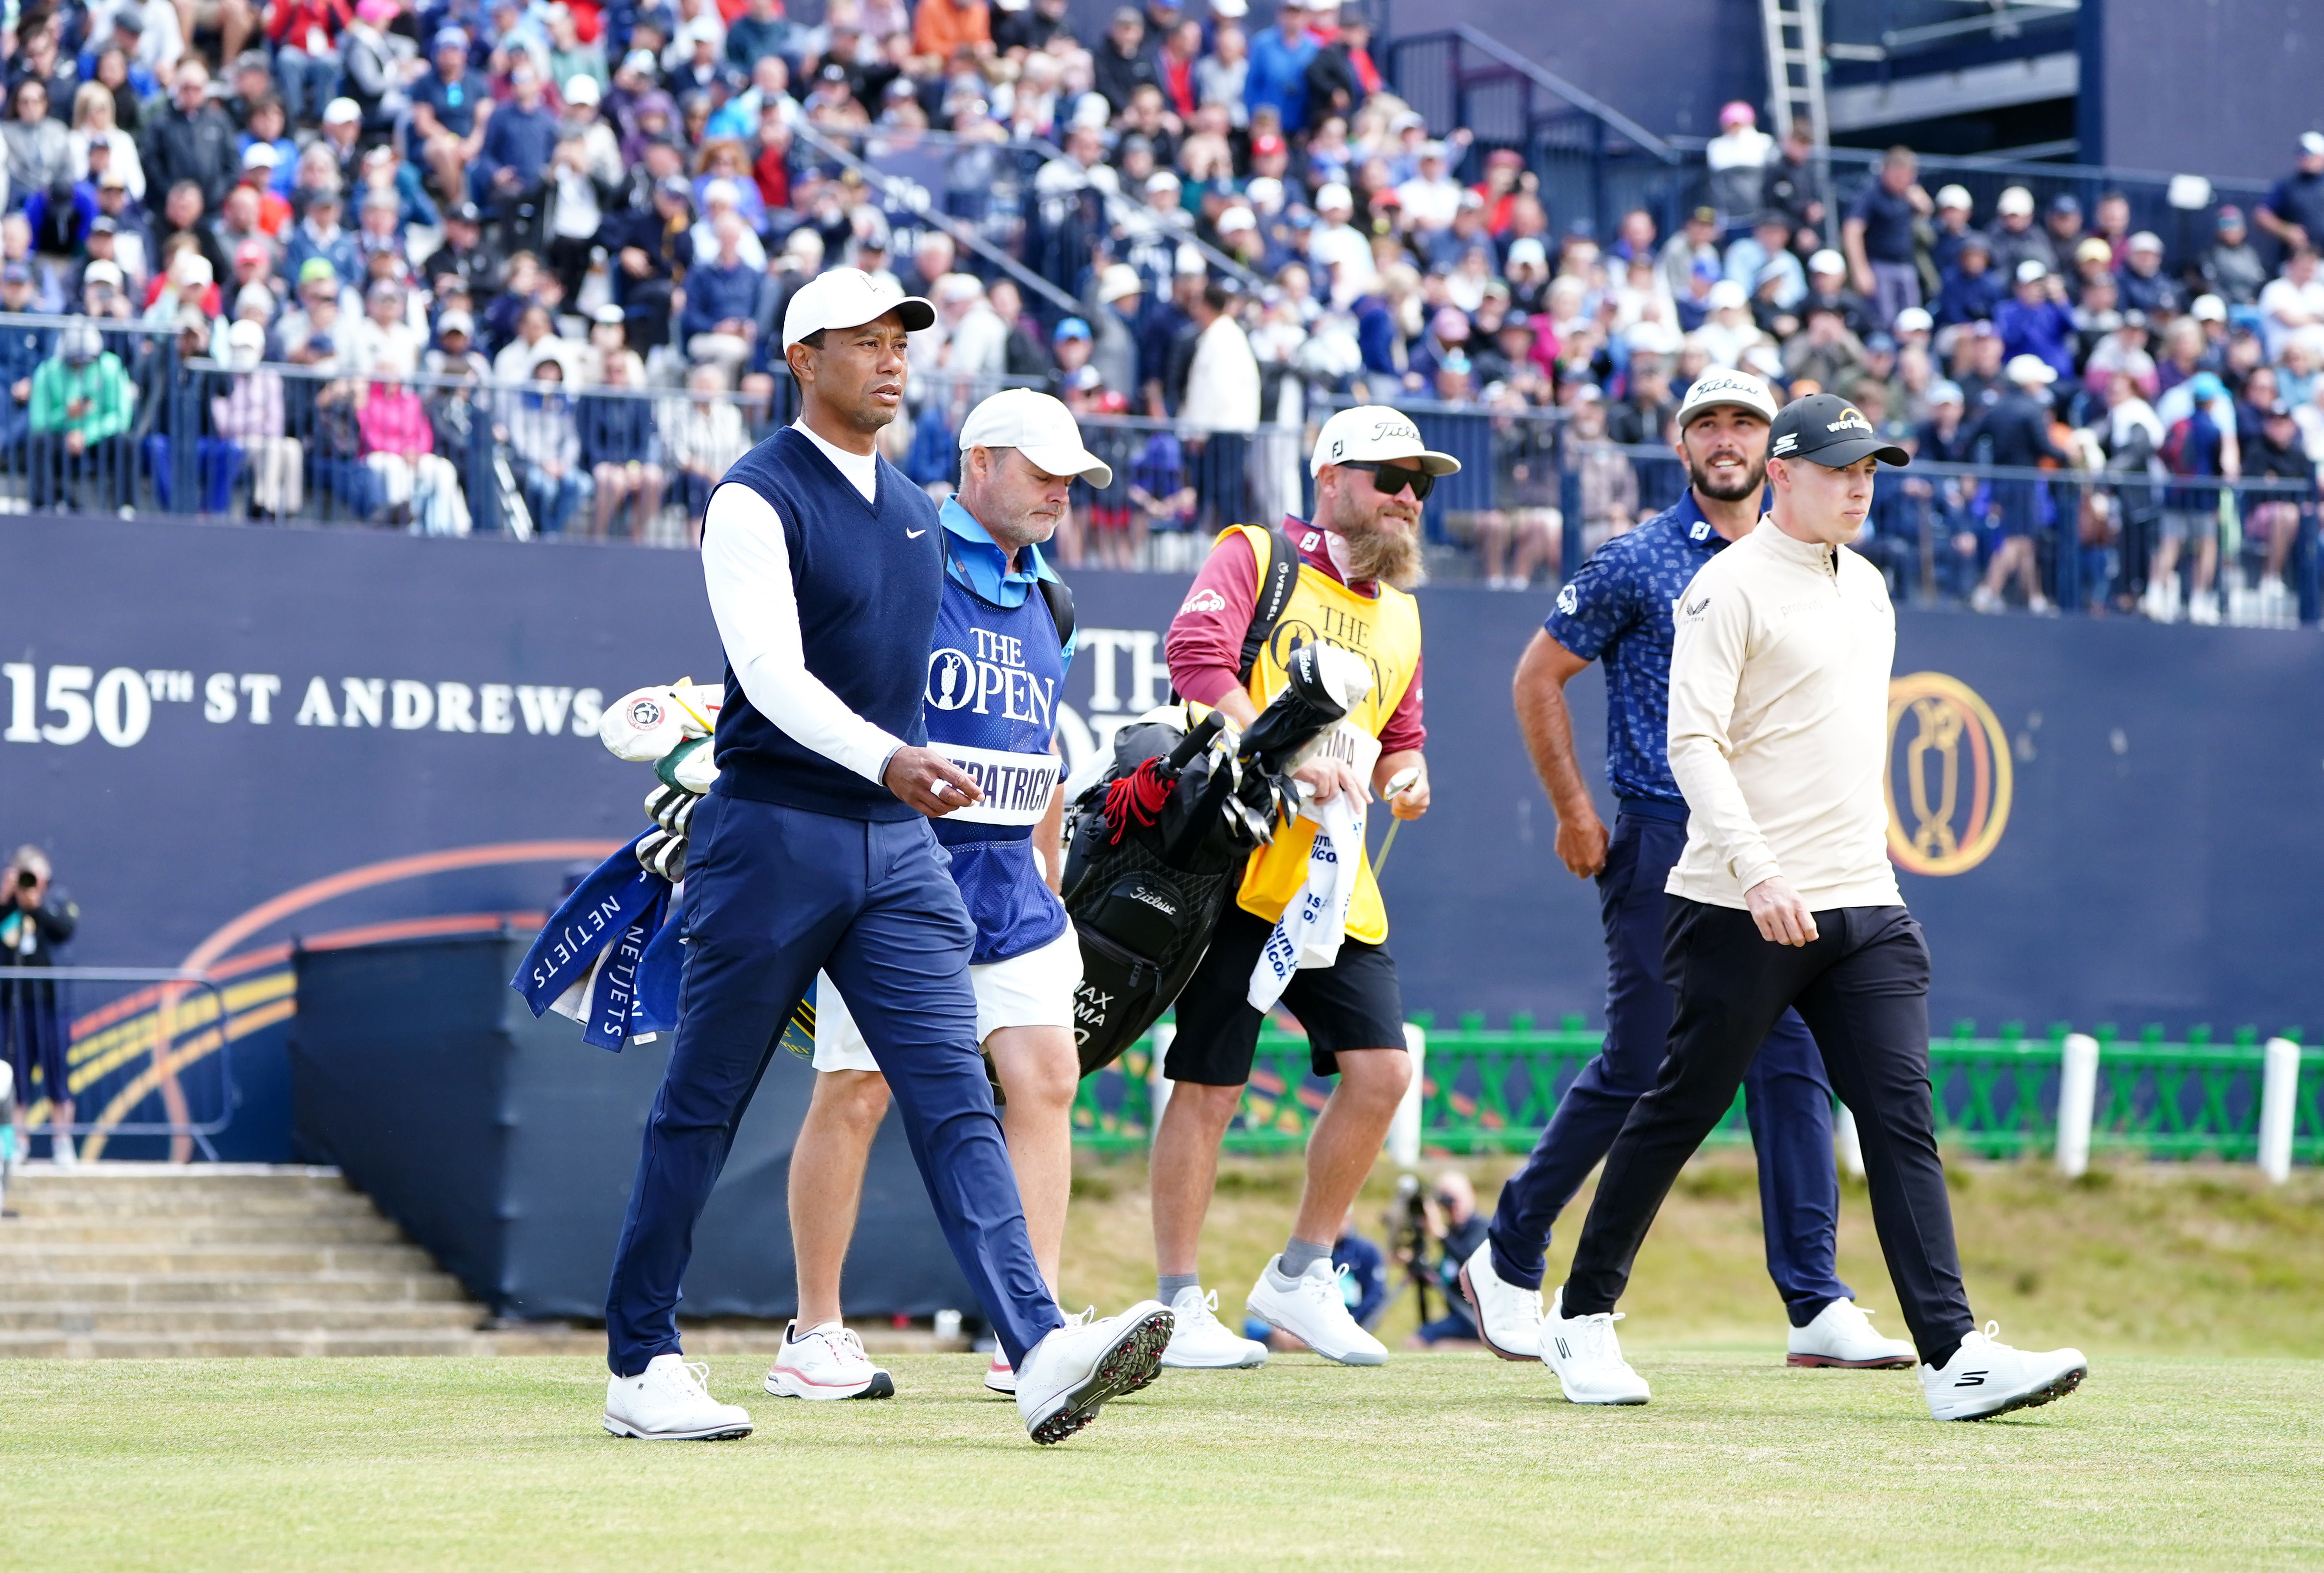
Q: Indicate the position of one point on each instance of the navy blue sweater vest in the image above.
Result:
(868, 578)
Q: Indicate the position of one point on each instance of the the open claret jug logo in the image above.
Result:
(1949, 775)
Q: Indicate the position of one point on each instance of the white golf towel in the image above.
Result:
(1315, 920)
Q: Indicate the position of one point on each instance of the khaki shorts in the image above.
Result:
(1034, 989)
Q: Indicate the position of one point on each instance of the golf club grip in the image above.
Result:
(1195, 742)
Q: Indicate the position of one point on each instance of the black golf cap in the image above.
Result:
(1830, 431)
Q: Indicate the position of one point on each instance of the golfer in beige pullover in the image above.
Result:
(1783, 897)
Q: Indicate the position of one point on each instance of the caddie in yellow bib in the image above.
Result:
(1307, 926)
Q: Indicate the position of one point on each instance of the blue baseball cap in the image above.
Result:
(2206, 386)
(1072, 327)
(449, 38)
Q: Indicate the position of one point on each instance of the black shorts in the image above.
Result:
(1352, 1004)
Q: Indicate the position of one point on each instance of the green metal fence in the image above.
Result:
(1492, 1090)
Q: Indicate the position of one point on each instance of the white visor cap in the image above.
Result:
(1375, 434)
(850, 297)
(1040, 428)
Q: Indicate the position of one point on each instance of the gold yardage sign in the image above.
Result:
(1949, 776)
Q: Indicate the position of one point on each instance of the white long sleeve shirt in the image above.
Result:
(746, 567)
(1779, 724)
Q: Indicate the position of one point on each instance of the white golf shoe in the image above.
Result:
(1508, 1318)
(826, 1362)
(1841, 1337)
(666, 1402)
(1201, 1342)
(1000, 1376)
(61, 1151)
(1069, 1374)
(1314, 1311)
(1587, 1357)
(1985, 1378)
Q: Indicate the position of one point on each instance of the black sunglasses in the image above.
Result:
(1390, 480)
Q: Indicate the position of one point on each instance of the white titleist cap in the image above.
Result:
(1720, 387)
(1040, 428)
(1375, 434)
(850, 297)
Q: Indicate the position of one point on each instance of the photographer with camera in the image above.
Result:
(1450, 1215)
(35, 918)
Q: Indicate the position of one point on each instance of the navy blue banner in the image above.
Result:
(231, 739)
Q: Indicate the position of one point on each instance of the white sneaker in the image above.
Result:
(1201, 1342)
(2042, 606)
(826, 1362)
(1840, 1335)
(1985, 1378)
(666, 1402)
(1314, 1311)
(2203, 610)
(1508, 1318)
(1070, 1374)
(61, 1152)
(1983, 599)
(1587, 1357)
(1000, 1376)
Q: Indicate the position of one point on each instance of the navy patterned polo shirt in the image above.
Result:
(1618, 610)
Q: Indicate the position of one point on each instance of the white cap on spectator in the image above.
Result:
(1038, 427)
(2030, 372)
(1373, 433)
(1265, 191)
(1161, 180)
(610, 315)
(1720, 388)
(255, 298)
(456, 322)
(261, 155)
(2208, 309)
(2017, 201)
(2311, 143)
(1237, 219)
(1764, 359)
(955, 289)
(1332, 195)
(1091, 112)
(1915, 319)
(850, 297)
(1726, 293)
(1953, 198)
(1231, 9)
(1527, 248)
(638, 60)
(1191, 264)
(582, 90)
(2147, 240)
(1012, 4)
(1827, 260)
(721, 191)
(342, 112)
(245, 335)
(1650, 338)
(2032, 271)
(1944, 393)
(1119, 281)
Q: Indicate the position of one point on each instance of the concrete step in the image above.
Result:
(29, 1202)
(19, 1261)
(49, 1234)
(235, 1289)
(190, 1319)
(51, 1346)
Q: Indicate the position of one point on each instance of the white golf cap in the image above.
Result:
(1375, 434)
(1720, 388)
(2032, 271)
(2016, 200)
(1038, 427)
(2030, 371)
(1827, 260)
(456, 322)
(1953, 196)
(1331, 195)
(581, 89)
(2208, 309)
(101, 272)
(1119, 281)
(1726, 293)
(1914, 319)
(850, 297)
(245, 335)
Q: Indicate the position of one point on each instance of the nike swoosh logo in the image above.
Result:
(914, 534)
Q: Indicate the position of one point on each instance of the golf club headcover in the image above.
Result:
(1322, 684)
(690, 767)
(645, 724)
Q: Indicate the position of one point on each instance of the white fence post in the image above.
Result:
(2078, 1097)
(1403, 1130)
(2278, 1100)
(1851, 1145)
(1157, 1086)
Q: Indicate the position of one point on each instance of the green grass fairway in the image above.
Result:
(1441, 1461)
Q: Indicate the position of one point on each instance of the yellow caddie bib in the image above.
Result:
(1386, 632)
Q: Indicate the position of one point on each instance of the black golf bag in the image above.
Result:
(1155, 848)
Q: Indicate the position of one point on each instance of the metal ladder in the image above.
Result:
(1795, 67)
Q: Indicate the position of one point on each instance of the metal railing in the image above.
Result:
(171, 1039)
(1493, 1090)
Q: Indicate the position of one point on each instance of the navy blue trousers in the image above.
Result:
(1785, 1096)
(774, 894)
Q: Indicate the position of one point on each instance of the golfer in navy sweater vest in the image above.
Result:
(813, 852)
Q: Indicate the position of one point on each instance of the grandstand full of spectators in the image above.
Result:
(521, 264)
